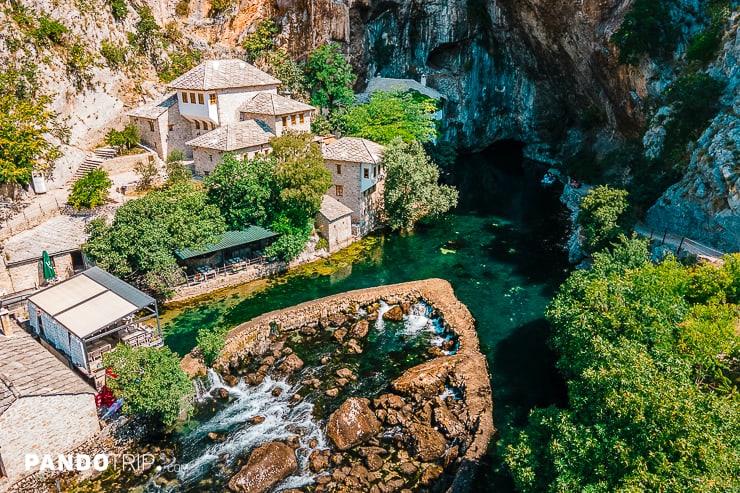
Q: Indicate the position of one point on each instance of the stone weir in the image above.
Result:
(437, 434)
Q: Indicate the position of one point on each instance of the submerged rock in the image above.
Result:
(424, 442)
(353, 423)
(395, 314)
(267, 466)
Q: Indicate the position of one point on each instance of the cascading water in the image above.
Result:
(380, 323)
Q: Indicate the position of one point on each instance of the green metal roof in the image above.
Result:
(229, 239)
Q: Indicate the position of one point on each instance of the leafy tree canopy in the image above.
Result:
(300, 176)
(25, 126)
(243, 190)
(150, 380)
(602, 215)
(651, 354)
(125, 139)
(91, 190)
(139, 245)
(412, 189)
(330, 76)
(391, 114)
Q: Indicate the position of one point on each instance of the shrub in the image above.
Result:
(220, 6)
(49, 30)
(261, 40)
(602, 216)
(114, 54)
(704, 45)
(79, 66)
(176, 170)
(180, 62)
(183, 8)
(211, 342)
(124, 139)
(322, 244)
(118, 8)
(146, 170)
(91, 190)
(646, 29)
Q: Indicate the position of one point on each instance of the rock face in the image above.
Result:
(266, 466)
(353, 423)
(424, 442)
(705, 204)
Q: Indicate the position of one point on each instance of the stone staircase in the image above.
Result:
(94, 162)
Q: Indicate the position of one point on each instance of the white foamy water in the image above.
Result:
(284, 419)
(379, 323)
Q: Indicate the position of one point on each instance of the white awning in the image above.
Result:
(90, 301)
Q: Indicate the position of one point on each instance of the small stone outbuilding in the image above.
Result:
(334, 222)
(45, 407)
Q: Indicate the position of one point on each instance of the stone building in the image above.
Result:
(248, 139)
(334, 222)
(220, 106)
(278, 112)
(358, 178)
(61, 237)
(45, 407)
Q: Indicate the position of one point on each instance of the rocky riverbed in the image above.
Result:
(416, 419)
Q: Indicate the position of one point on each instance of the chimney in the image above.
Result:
(5, 323)
(423, 79)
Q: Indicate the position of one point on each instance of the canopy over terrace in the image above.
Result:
(245, 243)
(93, 305)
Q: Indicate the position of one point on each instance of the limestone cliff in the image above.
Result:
(705, 204)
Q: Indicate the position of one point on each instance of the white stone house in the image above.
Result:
(45, 407)
(247, 139)
(334, 222)
(358, 178)
(209, 111)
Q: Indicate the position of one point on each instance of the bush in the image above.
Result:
(220, 6)
(602, 217)
(91, 190)
(146, 170)
(124, 139)
(179, 63)
(183, 8)
(150, 380)
(79, 66)
(115, 55)
(704, 45)
(288, 246)
(322, 244)
(646, 29)
(261, 40)
(176, 170)
(118, 8)
(49, 30)
(211, 342)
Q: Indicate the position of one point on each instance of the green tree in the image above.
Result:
(150, 380)
(148, 33)
(211, 341)
(118, 8)
(91, 190)
(330, 77)
(124, 139)
(412, 189)
(243, 190)
(300, 176)
(391, 114)
(147, 171)
(140, 243)
(24, 147)
(649, 364)
(262, 40)
(602, 216)
(648, 28)
(176, 170)
(79, 66)
(292, 240)
(283, 67)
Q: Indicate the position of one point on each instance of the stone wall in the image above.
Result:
(45, 425)
(468, 368)
(30, 275)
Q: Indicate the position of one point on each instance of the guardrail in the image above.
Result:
(681, 242)
(224, 270)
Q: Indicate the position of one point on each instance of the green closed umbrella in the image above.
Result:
(49, 273)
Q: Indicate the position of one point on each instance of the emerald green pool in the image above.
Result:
(501, 250)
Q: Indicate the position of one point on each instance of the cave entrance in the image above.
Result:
(506, 155)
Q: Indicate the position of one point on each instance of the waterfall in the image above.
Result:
(379, 323)
(283, 419)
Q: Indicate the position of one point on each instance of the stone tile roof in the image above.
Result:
(234, 136)
(59, 234)
(274, 105)
(28, 369)
(388, 84)
(332, 209)
(354, 150)
(153, 111)
(223, 74)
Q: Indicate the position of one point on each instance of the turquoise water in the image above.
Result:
(500, 250)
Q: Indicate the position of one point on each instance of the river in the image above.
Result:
(501, 250)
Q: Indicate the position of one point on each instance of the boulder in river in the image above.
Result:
(395, 314)
(424, 442)
(360, 329)
(352, 423)
(292, 363)
(267, 466)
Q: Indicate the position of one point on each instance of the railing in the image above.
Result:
(681, 242)
(225, 270)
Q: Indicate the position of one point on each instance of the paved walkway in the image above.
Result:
(681, 243)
